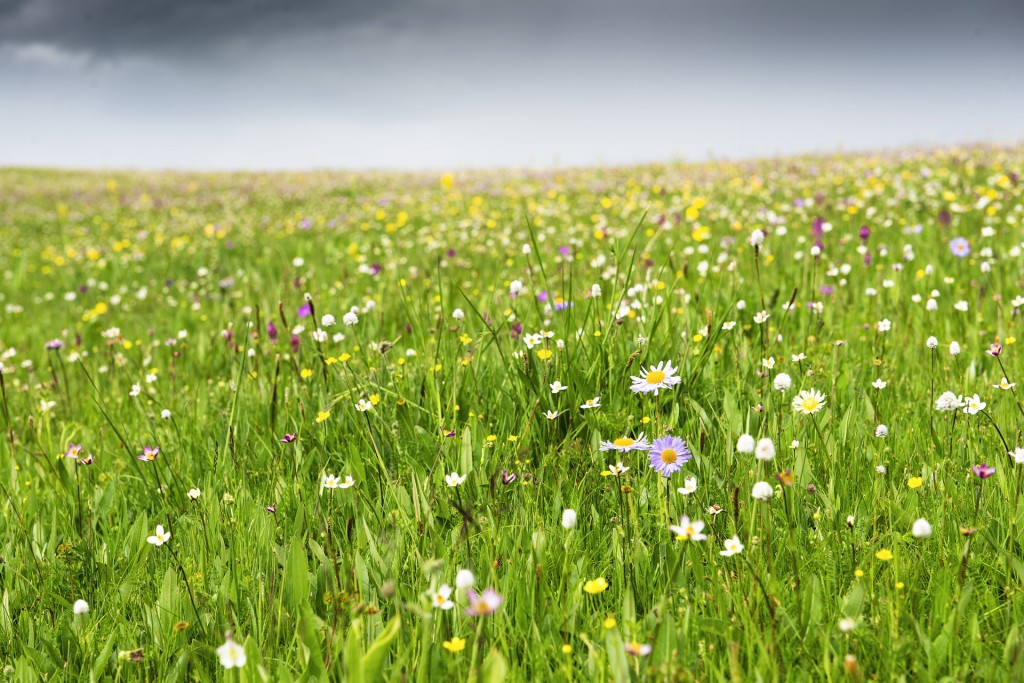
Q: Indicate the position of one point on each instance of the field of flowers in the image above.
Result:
(726, 421)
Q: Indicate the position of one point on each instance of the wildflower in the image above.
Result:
(483, 604)
(884, 555)
(624, 444)
(595, 586)
(80, 607)
(808, 402)
(881, 431)
(159, 536)
(455, 645)
(231, 654)
(668, 453)
(880, 469)
(765, 450)
(1018, 455)
(761, 316)
(551, 414)
(847, 624)
(73, 450)
(960, 247)
(463, 579)
(786, 477)
(458, 314)
(921, 528)
(1004, 384)
(688, 530)
(568, 518)
(288, 438)
(983, 471)
(932, 343)
(350, 318)
(656, 378)
(745, 444)
(782, 382)
(332, 482)
(689, 486)
(609, 622)
(322, 416)
(149, 454)
(948, 402)
(616, 469)
(165, 414)
(915, 482)
(508, 477)
(954, 348)
(363, 405)
(762, 491)
(193, 494)
(637, 649)
(879, 383)
(883, 325)
(733, 546)
(974, 405)
(441, 597)
(591, 403)
(995, 350)
(557, 387)
(768, 363)
(327, 320)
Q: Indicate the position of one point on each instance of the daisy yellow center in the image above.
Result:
(655, 377)
(810, 404)
(668, 456)
(622, 442)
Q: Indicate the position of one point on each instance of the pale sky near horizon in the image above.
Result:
(275, 84)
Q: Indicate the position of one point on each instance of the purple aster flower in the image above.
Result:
(983, 470)
(960, 247)
(668, 453)
(54, 344)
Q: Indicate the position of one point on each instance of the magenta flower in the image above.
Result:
(983, 470)
(74, 449)
(288, 438)
(483, 604)
(995, 349)
(149, 454)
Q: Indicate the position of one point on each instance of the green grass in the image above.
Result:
(338, 584)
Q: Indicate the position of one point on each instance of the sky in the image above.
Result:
(445, 84)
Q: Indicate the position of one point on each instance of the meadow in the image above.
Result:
(722, 421)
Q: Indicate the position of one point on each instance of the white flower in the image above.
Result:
(464, 579)
(231, 654)
(1018, 455)
(881, 431)
(879, 383)
(442, 597)
(136, 390)
(591, 403)
(765, 450)
(728, 325)
(1005, 385)
(363, 405)
(961, 306)
(332, 482)
(458, 314)
(655, 378)
(797, 357)
(327, 320)
(688, 487)
(568, 518)
(193, 494)
(954, 348)
(756, 238)
(782, 382)
(454, 479)
(761, 316)
(931, 305)
(762, 491)
(516, 288)
(557, 387)
(625, 444)
(932, 343)
(794, 444)
(948, 401)
(880, 469)
(767, 363)
(884, 325)
(846, 624)
(745, 444)
(80, 607)
(165, 414)
(595, 291)
(921, 528)
(617, 469)
(974, 405)
(350, 318)
(159, 536)
(551, 414)
(733, 546)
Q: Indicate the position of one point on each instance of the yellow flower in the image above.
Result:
(884, 554)
(595, 586)
(858, 573)
(374, 399)
(322, 415)
(915, 482)
(454, 645)
(610, 622)
(566, 649)
(306, 373)
(544, 354)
